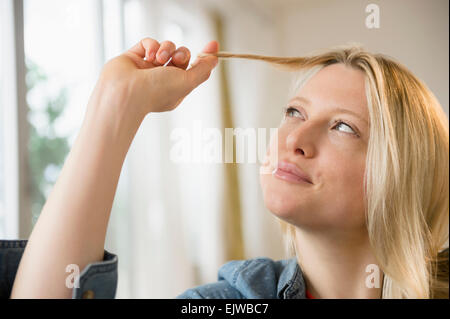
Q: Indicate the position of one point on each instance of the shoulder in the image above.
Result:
(261, 277)
(257, 278)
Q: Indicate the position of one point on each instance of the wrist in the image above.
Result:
(112, 120)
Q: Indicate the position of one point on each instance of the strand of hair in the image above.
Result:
(285, 63)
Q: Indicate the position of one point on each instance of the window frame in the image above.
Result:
(17, 208)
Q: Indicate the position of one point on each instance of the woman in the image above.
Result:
(359, 179)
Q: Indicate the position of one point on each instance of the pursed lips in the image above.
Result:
(290, 172)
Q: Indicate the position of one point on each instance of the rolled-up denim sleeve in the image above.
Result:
(98, 280)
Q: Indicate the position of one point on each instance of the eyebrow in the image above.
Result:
(341, 110)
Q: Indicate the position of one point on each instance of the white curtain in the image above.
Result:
(166, 221)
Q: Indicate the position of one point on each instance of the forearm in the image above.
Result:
(73, 222)
(72, 226)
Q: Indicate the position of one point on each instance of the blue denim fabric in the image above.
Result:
(258, 278)
(97, 280)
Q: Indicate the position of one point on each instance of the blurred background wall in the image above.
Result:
(174, 224)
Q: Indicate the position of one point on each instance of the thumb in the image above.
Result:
(201, 68)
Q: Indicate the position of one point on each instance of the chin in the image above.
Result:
(281, 201)
(280, 210)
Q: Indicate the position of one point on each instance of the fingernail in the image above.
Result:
(179, 56)
(163, 56)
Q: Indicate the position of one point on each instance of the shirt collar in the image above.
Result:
(291, 284)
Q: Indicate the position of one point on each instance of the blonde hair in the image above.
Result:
(407, 170)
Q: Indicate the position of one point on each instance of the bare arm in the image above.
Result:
(72, 226)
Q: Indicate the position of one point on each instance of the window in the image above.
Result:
(63, 57)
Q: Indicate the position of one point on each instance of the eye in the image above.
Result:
(345, 128)
(291, 112)
(348, 128)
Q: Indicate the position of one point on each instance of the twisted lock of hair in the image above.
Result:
(284, 63)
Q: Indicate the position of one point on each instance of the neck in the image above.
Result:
(334, 266)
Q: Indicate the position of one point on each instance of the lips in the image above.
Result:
(291, 172)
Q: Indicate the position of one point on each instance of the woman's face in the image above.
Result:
(324, 134)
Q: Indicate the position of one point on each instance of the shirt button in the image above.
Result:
(88, 294)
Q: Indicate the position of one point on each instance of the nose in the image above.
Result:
(301, 140)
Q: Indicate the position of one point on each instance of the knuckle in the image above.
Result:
(185, 50)
(150, 44)
(168, 45)
(150, 41)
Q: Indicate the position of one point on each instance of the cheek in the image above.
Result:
(343, 189)
(344, 169)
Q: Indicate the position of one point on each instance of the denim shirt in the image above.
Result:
(258, 278)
